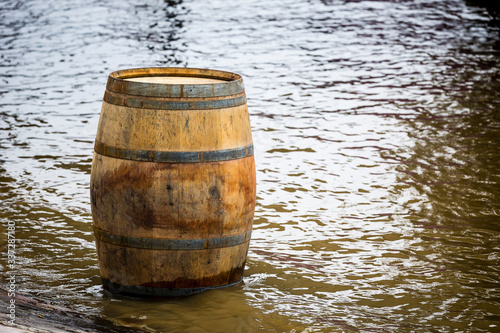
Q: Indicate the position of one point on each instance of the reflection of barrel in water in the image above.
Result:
(173, 181)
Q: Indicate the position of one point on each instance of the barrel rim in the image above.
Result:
(232, 82)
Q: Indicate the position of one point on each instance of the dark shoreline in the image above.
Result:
(37, 315)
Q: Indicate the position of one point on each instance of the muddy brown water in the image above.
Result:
(376, 128)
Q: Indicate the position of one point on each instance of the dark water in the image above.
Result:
(377, 133)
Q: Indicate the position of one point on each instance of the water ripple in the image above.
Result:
(376, 132)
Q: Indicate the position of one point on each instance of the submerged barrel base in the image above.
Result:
(165, 272)
(116, 288)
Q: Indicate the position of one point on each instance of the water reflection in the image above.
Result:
(156, 26)
(493, 8)
(454, 162)
(453, 168)
(193, 314)
(376, 129)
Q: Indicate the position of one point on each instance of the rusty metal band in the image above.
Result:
(126, 290)
(150, 103)
(173, 156)
(231, 83)
(171, 244)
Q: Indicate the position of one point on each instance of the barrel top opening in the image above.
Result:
(175, 82)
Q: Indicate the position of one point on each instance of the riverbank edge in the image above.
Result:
(34, 315)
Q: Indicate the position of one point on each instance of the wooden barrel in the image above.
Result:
(173, 181)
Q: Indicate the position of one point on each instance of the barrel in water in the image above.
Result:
(173, 181)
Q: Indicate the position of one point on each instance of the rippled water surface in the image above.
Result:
(376, 127)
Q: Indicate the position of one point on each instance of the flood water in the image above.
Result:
(376, 128)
